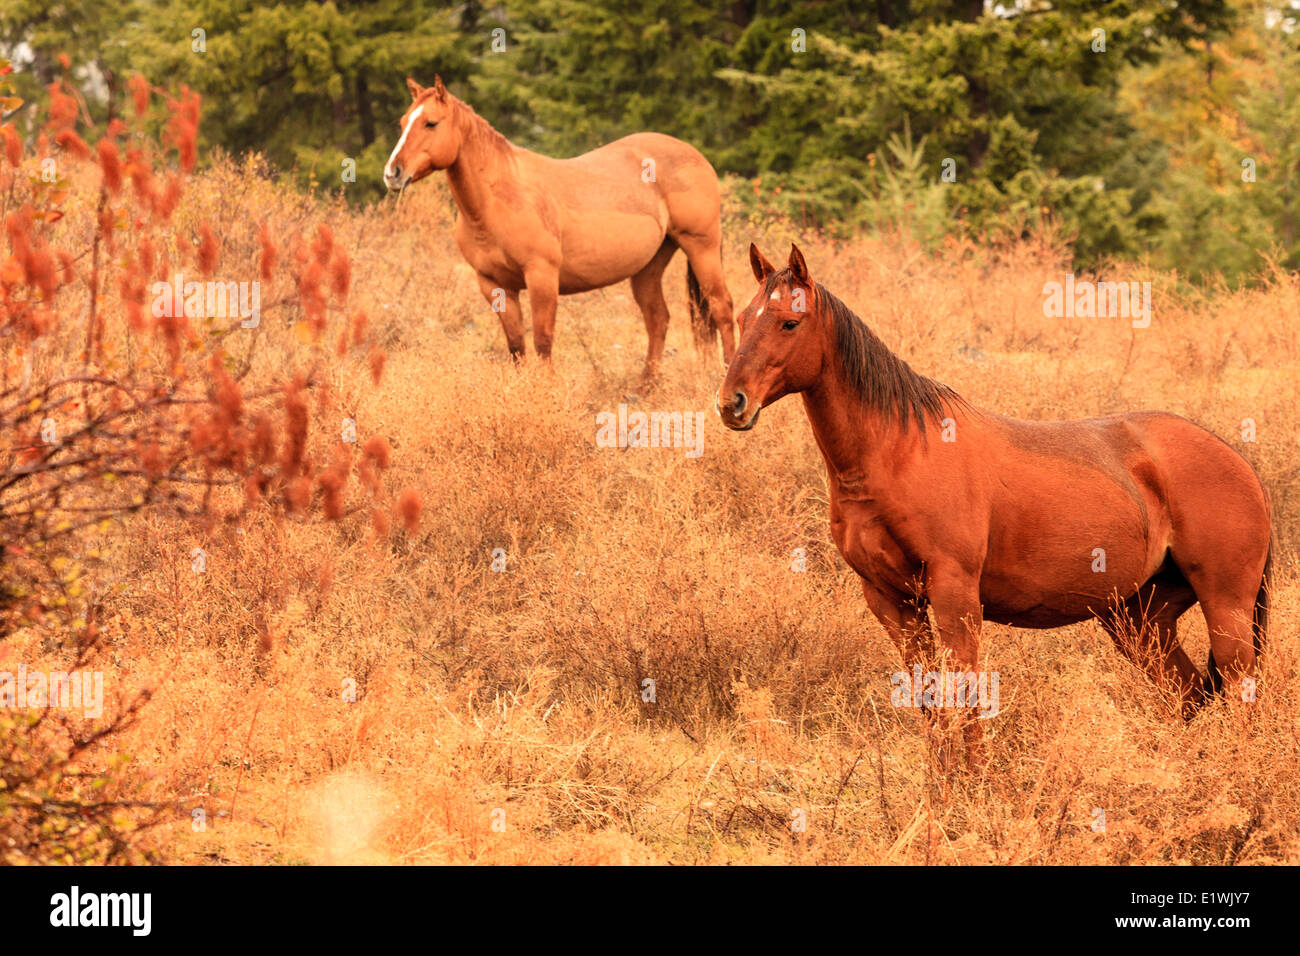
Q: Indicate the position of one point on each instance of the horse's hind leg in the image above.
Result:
(648, 290)
(1220, 537)
(1228, 585)
(704, 252)
(1145, 630)
(1229, 619)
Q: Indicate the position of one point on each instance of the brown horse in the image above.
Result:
(1131, 518)
(558, 226)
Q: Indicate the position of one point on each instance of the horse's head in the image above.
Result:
(430, 137)
(782, 342)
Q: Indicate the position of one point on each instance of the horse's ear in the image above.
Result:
(415, 88)
(439, 90)
(797, 265)
(762, 268)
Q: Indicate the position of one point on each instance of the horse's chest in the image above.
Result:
(488, 258)
(871, 547)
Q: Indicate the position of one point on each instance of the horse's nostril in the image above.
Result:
(738, 402)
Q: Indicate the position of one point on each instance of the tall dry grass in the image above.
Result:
(499, 716)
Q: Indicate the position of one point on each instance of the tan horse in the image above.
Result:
(559, 226)
(943, 507)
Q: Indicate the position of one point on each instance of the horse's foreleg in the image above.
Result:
(958, 618)
(904, 621)
(505, 303)
(543, 282)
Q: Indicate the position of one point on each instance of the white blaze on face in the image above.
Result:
(388, 169)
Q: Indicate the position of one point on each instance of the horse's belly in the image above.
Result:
(1043, 601)
(1038, 616)
(600, 250)
(603, 245)
(1065, 575)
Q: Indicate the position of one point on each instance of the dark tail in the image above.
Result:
(1261, 602)
(701, 322)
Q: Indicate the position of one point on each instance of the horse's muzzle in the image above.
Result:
(733, 413)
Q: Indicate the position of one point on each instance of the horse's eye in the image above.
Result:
(789, 325)
(430, 124)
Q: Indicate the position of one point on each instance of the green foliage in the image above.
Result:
(307, 84)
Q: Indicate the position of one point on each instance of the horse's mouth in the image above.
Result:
(398, 182)
(729, 420)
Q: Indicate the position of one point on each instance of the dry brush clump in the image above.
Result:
(472, 686)
(130, 386)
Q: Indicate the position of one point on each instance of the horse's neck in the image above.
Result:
(853, 439)
(478, 169)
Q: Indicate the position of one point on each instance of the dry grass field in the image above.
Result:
(499, 715)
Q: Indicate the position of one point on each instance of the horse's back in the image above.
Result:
(615, 205)
(1172, 461)
(1112, 495)
(657, 146)
(674, 170)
